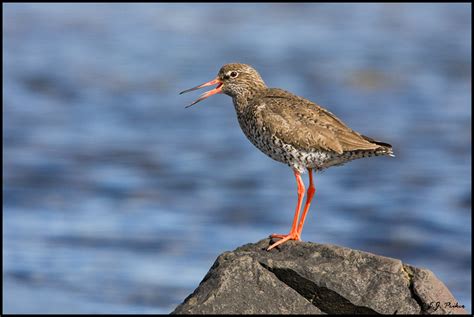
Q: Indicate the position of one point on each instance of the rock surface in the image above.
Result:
(311, 278)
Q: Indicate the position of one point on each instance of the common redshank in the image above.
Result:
(291, 130)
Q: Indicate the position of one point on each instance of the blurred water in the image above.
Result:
(118, 200)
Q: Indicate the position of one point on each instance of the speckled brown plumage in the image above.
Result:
(291, 130)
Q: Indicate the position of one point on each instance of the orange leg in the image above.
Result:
(309, 197)
(293, 235)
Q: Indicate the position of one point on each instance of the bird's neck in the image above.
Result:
(240, 103)
(244, 98)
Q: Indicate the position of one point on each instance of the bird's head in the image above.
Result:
(233, 80)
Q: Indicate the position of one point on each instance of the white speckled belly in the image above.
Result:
(287, 154)
(298, 159)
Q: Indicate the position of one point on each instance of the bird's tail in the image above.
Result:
(384, 148)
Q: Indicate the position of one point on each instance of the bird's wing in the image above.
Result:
(305, 125)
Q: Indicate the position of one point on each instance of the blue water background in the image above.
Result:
(118, 200)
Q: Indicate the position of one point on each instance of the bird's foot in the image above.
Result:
(281, 236)
(284, 237)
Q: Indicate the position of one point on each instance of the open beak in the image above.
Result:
(214, 91)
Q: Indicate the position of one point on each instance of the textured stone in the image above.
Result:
(311, 278)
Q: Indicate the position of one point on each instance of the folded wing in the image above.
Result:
(307, 126)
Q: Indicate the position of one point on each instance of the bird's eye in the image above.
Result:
(233, 74)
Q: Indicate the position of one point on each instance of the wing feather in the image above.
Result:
(305, 125)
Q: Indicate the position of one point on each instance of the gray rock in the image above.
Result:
(311, 278)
